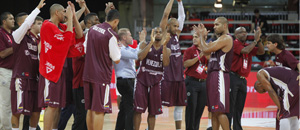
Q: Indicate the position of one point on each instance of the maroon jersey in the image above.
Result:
(287, 59)
(220, 60)
(283, 81)
(98, 64)
(151, 68)
(26, 58)
(6, 41)
(78, 66)
(174, 71)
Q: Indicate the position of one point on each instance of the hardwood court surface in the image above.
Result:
(252, 119)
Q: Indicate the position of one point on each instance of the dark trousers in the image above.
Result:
(65, 115)
(125, 115)
(238, 93)
(26, 123)
(80, 112)
(196, 101)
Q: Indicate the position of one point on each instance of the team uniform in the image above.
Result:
(173, 89)
(6, 66)
(147, 86)
(287, 59)
(56, 46)
(24, 82)
(283, 81)
(240, 69)
(101, 49)
(218, 81)
(196, 88)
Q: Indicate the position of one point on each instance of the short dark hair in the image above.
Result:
(20, 15)
(256, 11)
(4, 16)
(276, 38)
(38, 18)
(88, 17)
(112, 15)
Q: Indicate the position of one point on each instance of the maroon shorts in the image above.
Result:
(97, 97)
(173, 93)
(23, 99)
(218, 85)
(150, 97)
(53, 94)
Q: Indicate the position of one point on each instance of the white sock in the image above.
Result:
(178, 129)
(54, 129)
(15, 128)
(209, 123)
(32, 128)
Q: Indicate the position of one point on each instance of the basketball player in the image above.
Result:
(172, 86)
(283, 88)
(101, 50)
(153, 57)
(57, 43)
(218, 81)
(24, 83)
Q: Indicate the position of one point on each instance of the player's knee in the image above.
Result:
(178, 113)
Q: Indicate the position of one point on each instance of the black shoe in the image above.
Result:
(209, 128)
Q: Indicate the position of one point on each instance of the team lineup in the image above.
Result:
(51, 63)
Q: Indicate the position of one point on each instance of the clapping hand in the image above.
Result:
(153, 36)
(81, 3)
(142, 35)
(41, 4)
(109, 6)
(166, 38)
(257, 34)
(201, 30)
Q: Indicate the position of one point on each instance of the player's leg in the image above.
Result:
(223, 120)
(178, 116)
(98, 120)
(50, 113)
(89, 120)
(137, 120)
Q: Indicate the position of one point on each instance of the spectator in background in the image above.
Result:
(259, 21)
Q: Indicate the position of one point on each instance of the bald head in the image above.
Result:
(172, 21)
(54, 8)
(222, 20)
(239, 30)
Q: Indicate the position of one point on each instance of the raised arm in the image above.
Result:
(164, 19)
(223, 41)
(19, 34)
(78, 29)
(144, 48)
(181, 16)
(69, 16)
(166, 51)
(249, 48)
(79, 13)
(82, 4)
